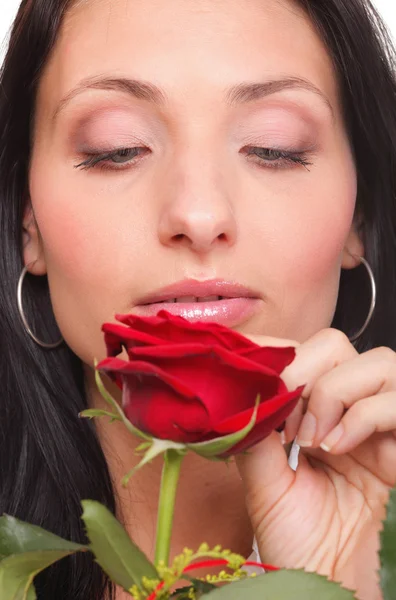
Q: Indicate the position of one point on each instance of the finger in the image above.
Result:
(266, 475)
(293, 422)
(318, 355)
(371, 373)
(321, 353)
(376, 414)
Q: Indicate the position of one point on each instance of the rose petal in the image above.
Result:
(266, 410)
(156, 403)
(167, 353)
(164, 354)
(117, 336)
(277, 358)
(154, 408)
(232, 382)
(183, 377)
(175, 329)
(269, 423)
(118, 367)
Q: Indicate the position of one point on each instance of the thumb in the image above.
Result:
(266, 475)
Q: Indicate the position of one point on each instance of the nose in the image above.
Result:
(197, 213)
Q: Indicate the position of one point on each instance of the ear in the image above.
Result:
(33, 254)
(353, 247)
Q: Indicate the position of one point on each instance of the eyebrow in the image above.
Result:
(249, 92)
(242, 93)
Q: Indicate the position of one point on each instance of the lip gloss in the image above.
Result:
(227, 311)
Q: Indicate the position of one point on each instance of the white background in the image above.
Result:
(8, 9)
(388, 10)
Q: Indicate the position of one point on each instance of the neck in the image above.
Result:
(210, 503)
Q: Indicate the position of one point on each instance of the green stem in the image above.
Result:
(166, 507)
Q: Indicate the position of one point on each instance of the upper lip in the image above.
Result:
(199, 289)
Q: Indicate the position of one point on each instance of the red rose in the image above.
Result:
(194, 382)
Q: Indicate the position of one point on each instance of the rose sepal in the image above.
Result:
(119, 414)
(91, 413)
(156, 448)
(152, 447)
(214, 449)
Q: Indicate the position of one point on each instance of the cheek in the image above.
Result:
(321, 230)
(302, 228)
(85, 232)
(304, 231)
(315, 254)
(315, 245)
(73, 243)
(88, 275)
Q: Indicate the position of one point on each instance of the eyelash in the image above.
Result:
(273, 159)
(96, 159)
(279, 159)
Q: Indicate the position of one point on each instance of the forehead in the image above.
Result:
(201, 46)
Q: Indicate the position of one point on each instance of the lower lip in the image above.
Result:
(229, 312)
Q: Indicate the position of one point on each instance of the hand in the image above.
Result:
(326, 516)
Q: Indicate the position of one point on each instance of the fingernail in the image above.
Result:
(282, 436)
(331, 440)
(307, 431)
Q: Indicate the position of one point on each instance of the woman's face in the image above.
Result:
(190, 140)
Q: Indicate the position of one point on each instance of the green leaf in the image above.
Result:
(388, 550)
(17, 537)
(31, 595)
(28, 550)
(18, 571)
(199, 587)
(282, 585)
(114, 404)
(156, 447)
(214, 448)
(115, 552)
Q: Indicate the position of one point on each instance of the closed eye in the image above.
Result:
(122, 158)
(281, 159)
(111, 159)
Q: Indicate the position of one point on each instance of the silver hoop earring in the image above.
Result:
(23, 317)
(373, 298)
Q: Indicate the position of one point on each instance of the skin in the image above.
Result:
(195, 204)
